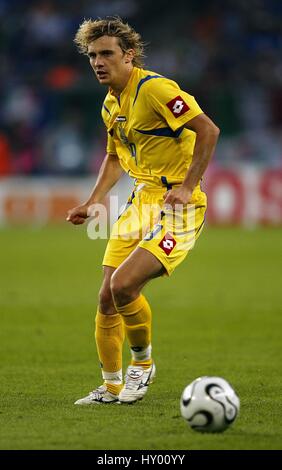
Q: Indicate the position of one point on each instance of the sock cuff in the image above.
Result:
(107, 321)
(133, 307)
(112, 377)
(141, 354)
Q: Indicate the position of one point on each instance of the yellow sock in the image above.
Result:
(145, 364)
(137, 321)
(109, 334)
(113, 388)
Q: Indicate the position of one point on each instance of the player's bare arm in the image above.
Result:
(110, 172)
(206, 138)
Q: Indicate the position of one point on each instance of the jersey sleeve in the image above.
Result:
(176, 106)
(111, 148)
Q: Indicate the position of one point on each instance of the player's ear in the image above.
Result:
(129, 55)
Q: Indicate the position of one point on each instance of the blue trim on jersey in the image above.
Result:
(128, 204)
(162, 132)
(152, 233)
(143, 80)
(201, 226)
(166, 183)
(105, 107)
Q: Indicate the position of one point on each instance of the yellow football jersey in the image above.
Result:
(146, 129)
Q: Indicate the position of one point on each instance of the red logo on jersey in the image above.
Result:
(167, 243)
(177, 106)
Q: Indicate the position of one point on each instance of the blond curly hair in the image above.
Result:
(90, 30)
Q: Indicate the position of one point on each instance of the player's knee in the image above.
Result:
(118, 284)
(122, 289)
(106, 304)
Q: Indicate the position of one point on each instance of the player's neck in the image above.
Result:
(117, 88)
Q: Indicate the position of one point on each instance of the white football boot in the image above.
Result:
(98, 396)
(137, 381)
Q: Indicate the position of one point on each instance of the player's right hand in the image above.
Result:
(78, 215)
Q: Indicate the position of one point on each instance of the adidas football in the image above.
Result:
(209, 404)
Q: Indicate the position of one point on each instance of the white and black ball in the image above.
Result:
(209, 404)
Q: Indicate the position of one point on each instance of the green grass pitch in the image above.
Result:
(219, 314)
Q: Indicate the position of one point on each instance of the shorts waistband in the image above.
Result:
(150, 188)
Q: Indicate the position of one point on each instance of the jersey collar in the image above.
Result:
(126, 91)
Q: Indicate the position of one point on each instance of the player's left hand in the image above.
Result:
(179, 195)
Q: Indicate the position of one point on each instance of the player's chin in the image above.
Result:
(103, 79)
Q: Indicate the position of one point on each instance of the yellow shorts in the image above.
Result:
(169, 234)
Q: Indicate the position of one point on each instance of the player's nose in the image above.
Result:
(98, 63)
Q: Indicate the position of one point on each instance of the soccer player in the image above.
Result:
(159, 135)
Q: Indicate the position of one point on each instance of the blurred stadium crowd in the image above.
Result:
(228, 53)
